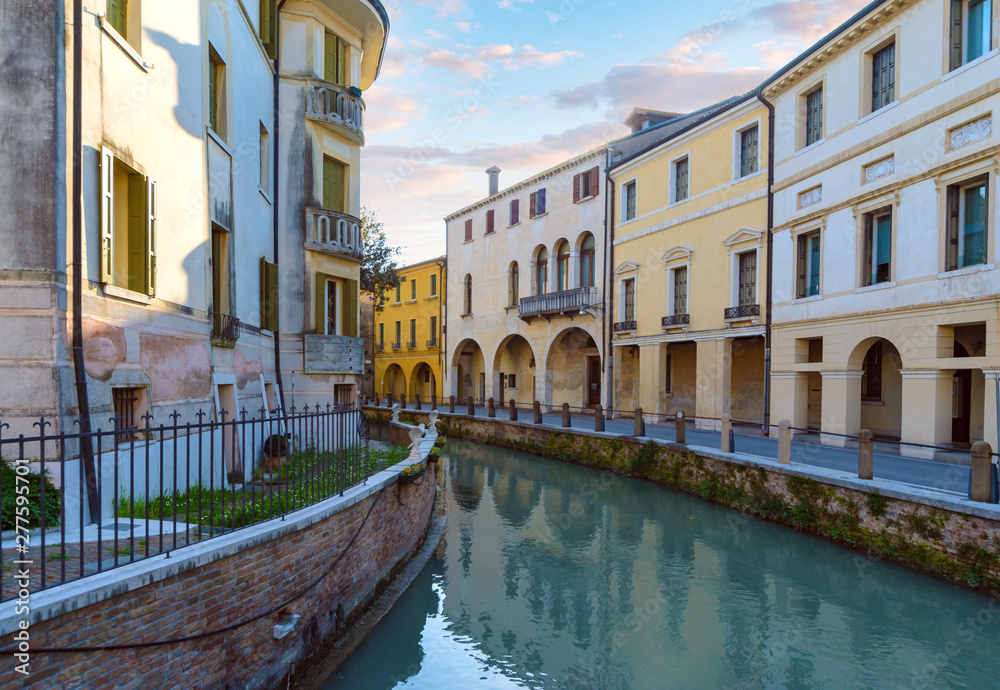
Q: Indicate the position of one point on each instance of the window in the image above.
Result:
(269, 26)
(427, 375)
(413, 289)
(585, 185)
(680, 291)
(125, 17)
(808, 264)
(130, 404)
(399, 289)
(434, 285)
(398, 342)
(468, 230)
(433, 331)
(877, 249)
(871, 374)
(468, 295)
(334, 185)
(117, 14)
(336, 306)
(489, 221)
(216, 93)
(381, 336)
(511, 380)
(749, 154)
(268, 295)
(542, 272)
(412, 344)
(814, 116)
(668, 374)
(331, 308)
(335, 63)
(128, 227)
(514, 289)
(562, 267)
(967, 223)
(971, 29)
(515, 211)
(681, 179)
(587, 254)
(883, 77)
(629, 294)
(538, 203)
(265, 159)
(629, 207)
(747, 285)
(221, 295)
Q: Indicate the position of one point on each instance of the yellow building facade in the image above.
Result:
(689, 279)
(409, 331)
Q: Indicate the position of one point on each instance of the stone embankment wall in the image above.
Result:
(939, 534)
(228, 580)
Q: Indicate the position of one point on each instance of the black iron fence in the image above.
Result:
(166, 486)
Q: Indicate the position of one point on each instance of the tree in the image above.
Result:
(378, 269)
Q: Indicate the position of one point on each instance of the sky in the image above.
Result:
(527, 84)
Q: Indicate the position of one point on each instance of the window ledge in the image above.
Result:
(810, 147)
(432, 298)
(873, 403)
(468, 241)
(122, 293)
(969, 65)
(113, 34)
(540, 215)
(267, 197)
(218, 140)
(678, 203)
(877, 286)
(810, 298)
(396, 304)
(412, 301)
(881, 110)
(752, 175)
(467, 316)
(586, 198)
(958, 272)
(514, 225)
(627, 221)
(510, 307)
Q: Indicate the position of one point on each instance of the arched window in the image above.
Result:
(562, 266)
(542, 272)
(468, 294)
(514, 289)
(587, 249)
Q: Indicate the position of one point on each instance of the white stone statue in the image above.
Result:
(433, 420)
(416, 436)
(395, 412)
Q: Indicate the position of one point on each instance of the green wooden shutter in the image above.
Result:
(349, 309)
(150, 237)
(118, 17)
(213, 86)
(956, 35)
(138, 254)
(341, 63)
(320, 304)
(269, 27)
(333, 185)
(107, 213)
(269, 295)
(330, 58)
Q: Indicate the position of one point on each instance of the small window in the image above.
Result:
(971, 30)
(668, 374)
(680, 291)
(221, 283)
(265, 159)
(216, 93)
(749, 154)
(334, 185)
(883, 77)
(542, 272)
(747, 279)
(585, 185)
(427, 375)
(562, 267)
(412, 344)
(808, 264)
(629, 293)
(538, 203)
(967, 222)
(433, 331)
(381, 336)
(468, 295)
(514, 289)
(587, 263)
(399, 290)
(515, 211)
(871, 374)
(629, 194)
(269, 26)
(434, 285)
(398, 341)
(681, 170)
(489, 221)
(511, 380)
(877, 249)
(125, 17)
(468, 230)
(335, 60)
(814, 116)
(130, 406)
(413, 289)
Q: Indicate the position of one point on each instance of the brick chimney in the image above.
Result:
(494, 174)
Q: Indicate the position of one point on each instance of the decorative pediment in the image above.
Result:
(626, 267)
(682, 252)
(744, 235)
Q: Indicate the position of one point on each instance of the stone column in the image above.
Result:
(651, 379)
(990, 407)
(927, 407)
(712, 383)
(841, 405)
(790, 398)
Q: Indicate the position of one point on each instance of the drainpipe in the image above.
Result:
(609, 251)
(83, 401)
(444, 333)
(770, 259)
(277, 194)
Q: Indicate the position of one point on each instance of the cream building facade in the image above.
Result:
(885, 247)
(526, 289)
(689, 254)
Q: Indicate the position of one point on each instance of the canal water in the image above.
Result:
(555, 576)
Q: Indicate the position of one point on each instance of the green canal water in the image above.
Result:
(555, 576)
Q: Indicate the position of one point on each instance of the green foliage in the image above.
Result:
(877, 504)
(378, 267)
(412, 471)
(644, 464)
(927, 526)
(33, 497)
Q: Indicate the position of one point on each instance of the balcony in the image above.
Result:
(411, 345)
(744, 312)
(334, 233)
(625, 327)
(225, 330)
(567, 302)
(379, 347)
(396, 347)
(334, 354)
(676, 321)
(335, 107)
(432, 343)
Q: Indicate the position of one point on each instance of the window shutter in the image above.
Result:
(801, 289)
(594, 188)
(956, 34)
(213, 90)
(349, 308)
(118, 17)
(531, 213)
(576, 189)
(150, 237)
(341, 62)
(107, 212)
(540, 205)
(138, 254)
(866, 278)
(515, 212)
(269, 295)
(952, 226)
(320, 306)
(468, 230)
(489, 221)
(330, 58)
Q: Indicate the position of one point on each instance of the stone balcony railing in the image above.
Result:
(333, 232)
(334, 354)
(569, 302)
(335, 106)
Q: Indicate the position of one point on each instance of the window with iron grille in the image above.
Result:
(748, 279)
(814, 116)
(515, 288)
(630, 202)
(127, 404)
(749, 151)
(680, 291)
(629, 289)
(883, 77)
(871, 377)
(468, 294)
(681, 179)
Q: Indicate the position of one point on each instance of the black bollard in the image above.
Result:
(538, 412)
(471, 407)
(513, 411)
(491, 409)
(640, 423)
(565, 419)
(434, 402)
(451, 404)
(402, 400)
(417, 407)
(389, 400)
(680, 428)
(598, 418)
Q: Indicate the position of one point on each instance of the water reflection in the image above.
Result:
(571, 578)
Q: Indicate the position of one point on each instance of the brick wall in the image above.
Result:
(233, 589)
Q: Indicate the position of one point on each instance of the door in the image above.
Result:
(503, 388)
(961, 404)
(593, 381)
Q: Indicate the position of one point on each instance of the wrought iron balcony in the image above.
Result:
(676, 320)
(333, 232)
(624, 326)
(744, 311)
(568, 302)
(225, 328)
(335, 106)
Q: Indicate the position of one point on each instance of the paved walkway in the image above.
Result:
(948, 472)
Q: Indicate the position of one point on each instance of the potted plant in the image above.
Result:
(411, 474)
(434, 455)
(275, 451)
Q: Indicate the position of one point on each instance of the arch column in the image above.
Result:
(651, 365)
(841, 405)
(573, 279)
(712, 384)
(927, 408)
(990, 404)
(789, 398)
